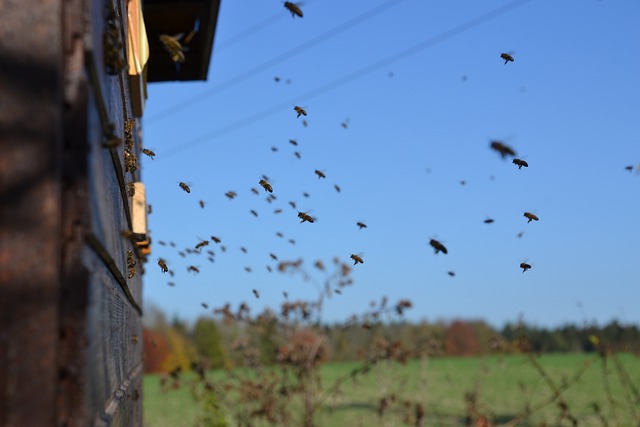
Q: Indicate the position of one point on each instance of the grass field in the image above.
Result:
(503, 386)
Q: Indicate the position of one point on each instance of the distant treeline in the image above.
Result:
(171, 345)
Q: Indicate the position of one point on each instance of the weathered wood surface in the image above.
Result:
(70, 318)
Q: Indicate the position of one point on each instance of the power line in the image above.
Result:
(429, 42)
(273, 61)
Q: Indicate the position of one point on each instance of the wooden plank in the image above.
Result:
(30, 215)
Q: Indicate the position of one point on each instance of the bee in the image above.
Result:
(320, 174)
(131, 262)
(131, 189)
(230, 194)
(345, 124)
(256, 293)
(503, 149)
(194, 269)
(530, 217)
(223, 248)
(304, 123)
(255, 191)
(172, 244)
(437, 246)
(202, 244)
(279, 234)
(294, 8)
(293, 142)
(337, 291)
(216, 239)
(149, 153)
(524, 266)
(277, 211)
(520, 163)
(247, 269)
(273, 257)
(305, 194)
(293, 204)
(463, 182)
(276, 79)
(163, 265)
(269, 269)
(130, 162)
(274, 149)
(297, 154)
(182, 254)
(451, 273)
(172, 284)
(305, 217)
(629, 168)
(162, 242)
(184, 186)
(243, 249)
(204, 305)
(149, 209)
(299, 110)
(507, 57)
(520, 234)
(266, 185)
(254, 213)
(356, 259)
(132, 272)
(337, 187)
(172, 45)
(361, 225)
(489, 221)
(293, 242)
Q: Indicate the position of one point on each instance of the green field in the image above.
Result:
(503, 386)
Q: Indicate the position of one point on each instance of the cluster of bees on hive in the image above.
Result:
(174, 46)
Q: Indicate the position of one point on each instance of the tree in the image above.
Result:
(208, 342)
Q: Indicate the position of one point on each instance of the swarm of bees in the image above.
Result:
(294, 8)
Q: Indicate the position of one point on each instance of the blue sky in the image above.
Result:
(424, 91)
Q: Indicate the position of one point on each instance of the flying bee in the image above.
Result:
(503, 149)
(629, 168)
(276, 79)
(131, 189)
(337, 187)
(437, 246)
(524, 266)
(204, 305)
(293, 142)
(201, 202)
(293, 242)
(279, 234)
(293, 204)
(451, 273)
(248, 269)
(530, 217)
(356, 259)
(184, 186)
(202, 244)
(507, 57)
(216, 239)
(149, 209)
(273, 257)
(254, 213)
(304, 123)
(162, 242)
(489, 221)
(269, 268)
(299, 110)
(193, 269)
(266, 185)
(274, 149)
(163, 265)
(256, 293)
(345, 124)
(149, 153)
(297, 154)
(361, 225)
(243, 249)
(463, 182)
(294, 8)
(305, 194)
(520, 163)
(223, 248)
(320, 174)
(230, 194)
(172, 45)
(305, 217)
(172, 284)
(277, 211)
